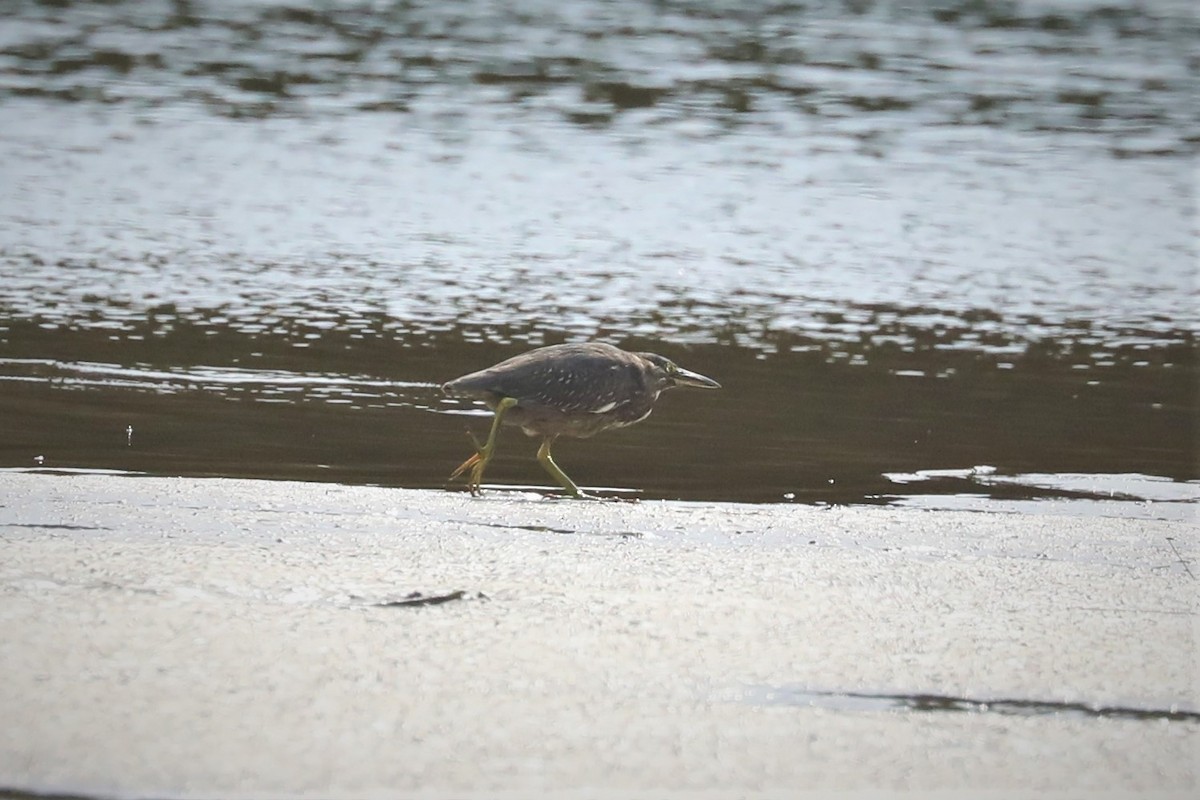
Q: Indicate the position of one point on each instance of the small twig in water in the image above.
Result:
(1182, 560)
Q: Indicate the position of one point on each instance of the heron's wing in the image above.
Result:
(583, 383)
(568, 379)
(575, 391)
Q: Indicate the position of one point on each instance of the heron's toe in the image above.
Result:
(466, 465)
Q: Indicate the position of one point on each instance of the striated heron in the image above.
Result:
(573, 390)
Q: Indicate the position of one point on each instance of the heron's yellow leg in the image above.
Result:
(478, 462)
(548, 464)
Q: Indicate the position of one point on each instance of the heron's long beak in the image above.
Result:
(684, 377)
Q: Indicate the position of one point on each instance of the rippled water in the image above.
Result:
(905, 237)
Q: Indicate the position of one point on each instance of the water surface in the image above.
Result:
(945, 236)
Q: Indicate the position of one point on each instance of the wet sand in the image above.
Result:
(226, 638)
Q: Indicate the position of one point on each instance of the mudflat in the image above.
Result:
(170, 637)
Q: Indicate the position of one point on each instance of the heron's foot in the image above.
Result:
(547, 462)
(475, 464)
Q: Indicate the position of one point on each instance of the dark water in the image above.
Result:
(939, 253)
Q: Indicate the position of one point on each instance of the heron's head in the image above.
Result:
(663, 373)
